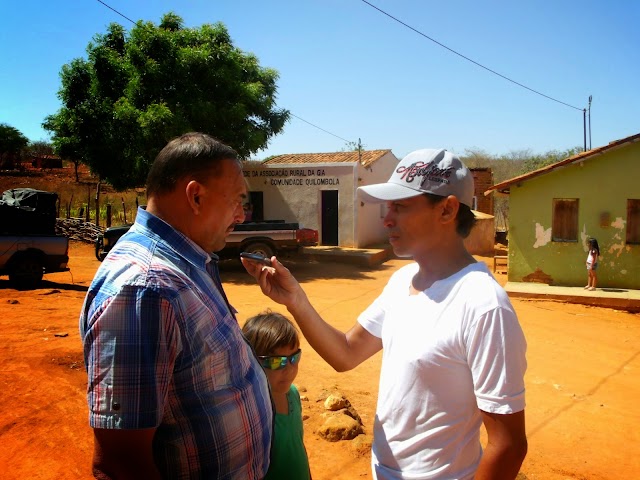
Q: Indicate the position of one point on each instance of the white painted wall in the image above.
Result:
(369, 227)
(293, 193)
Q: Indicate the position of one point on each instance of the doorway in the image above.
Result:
(257, 203)
(329, 217)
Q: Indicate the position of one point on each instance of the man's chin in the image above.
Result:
(219, 246)
(400, 252)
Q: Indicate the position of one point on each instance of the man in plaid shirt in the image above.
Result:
(174, 390)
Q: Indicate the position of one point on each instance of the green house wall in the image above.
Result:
(602, 183)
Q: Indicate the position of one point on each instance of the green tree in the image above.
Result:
(511, 165)
(135, 91)
(39, 147)
(503, 168)
(535, 162)
(12, 141)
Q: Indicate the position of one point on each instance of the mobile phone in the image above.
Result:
(256, 258)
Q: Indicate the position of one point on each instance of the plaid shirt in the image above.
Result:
(163, 350)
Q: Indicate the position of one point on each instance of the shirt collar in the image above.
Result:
(183, 246)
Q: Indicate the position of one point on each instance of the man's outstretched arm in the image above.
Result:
(343, 351)
(506, 446)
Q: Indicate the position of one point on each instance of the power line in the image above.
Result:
(121, 14)
(299, 118)
(467, 58)
(325, 131)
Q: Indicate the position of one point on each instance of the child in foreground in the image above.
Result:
(275, 340)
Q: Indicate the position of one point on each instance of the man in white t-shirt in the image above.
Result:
(453, 350)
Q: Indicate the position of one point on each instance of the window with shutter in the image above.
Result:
(565, 220)
(633, 221)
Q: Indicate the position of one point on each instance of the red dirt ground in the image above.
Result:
(582, 381)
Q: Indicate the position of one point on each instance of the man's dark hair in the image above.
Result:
(194, 154)
(465, 219)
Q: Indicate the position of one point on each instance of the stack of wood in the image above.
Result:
(78, 229)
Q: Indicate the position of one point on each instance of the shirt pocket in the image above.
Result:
(226, 359)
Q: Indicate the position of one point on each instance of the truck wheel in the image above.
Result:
(261, 249)
(26, 272)
(100, 253)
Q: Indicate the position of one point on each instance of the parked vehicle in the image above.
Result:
(265, 238)
(106, 240)
(268, 238)
(29, 247)
(26, 258)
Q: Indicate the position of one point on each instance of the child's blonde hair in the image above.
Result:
(269, 331)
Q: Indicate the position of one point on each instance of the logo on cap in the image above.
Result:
(429, 172)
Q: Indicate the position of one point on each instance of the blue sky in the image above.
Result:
(356, 73)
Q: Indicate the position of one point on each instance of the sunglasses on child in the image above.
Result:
(278, 362)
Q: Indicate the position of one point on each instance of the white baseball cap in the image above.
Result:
(429, 170)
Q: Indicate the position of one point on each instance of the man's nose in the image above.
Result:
(240, 214)
(388, 220)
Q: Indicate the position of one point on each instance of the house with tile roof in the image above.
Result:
(553, 211)
(318, 190)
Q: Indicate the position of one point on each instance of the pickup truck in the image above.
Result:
(265, 238)
(29, 247)
(25, 258)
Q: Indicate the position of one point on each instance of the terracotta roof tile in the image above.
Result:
(368, 157)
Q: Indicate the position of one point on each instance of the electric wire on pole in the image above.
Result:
(584, 113)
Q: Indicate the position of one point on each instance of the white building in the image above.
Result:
(318, 190)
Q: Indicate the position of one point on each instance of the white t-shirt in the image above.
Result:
(592, 257)
(449, 352)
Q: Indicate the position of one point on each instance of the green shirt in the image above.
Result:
(288, 456)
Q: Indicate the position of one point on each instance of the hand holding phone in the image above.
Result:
(256, 258)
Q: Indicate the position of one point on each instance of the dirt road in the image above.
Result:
(582, 383)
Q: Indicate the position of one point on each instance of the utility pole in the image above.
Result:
(584, 127)
(590, 98)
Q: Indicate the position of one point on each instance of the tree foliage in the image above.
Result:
(510, 165)
(12, 141)
(354, 146)
(38, 148)
(137, 90)
(514, 163)
(535, 162)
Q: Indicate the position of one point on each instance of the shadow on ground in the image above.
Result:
(304, 270)
(47, 285)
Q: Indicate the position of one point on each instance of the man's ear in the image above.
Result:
(450, 207)
(194, 191)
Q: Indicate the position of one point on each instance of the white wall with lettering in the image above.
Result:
(293, 193)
